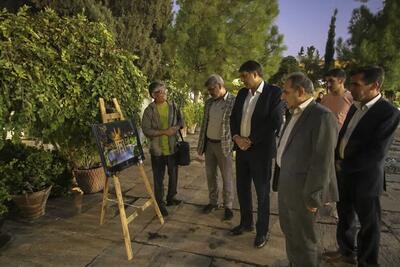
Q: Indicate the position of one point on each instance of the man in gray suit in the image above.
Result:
(305, 160)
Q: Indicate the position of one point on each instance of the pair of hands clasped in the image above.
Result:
(243, 143)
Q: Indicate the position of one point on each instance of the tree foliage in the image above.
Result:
(330, 44)
(310, 62)
(205, 40)
(288, 65)
(138, 26)
(52, 72)
(94, 10)
(141, 29)
(375, 39)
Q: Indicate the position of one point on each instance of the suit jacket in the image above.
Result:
(226, 138)
(362, 168)
(307, 166)
(265, 122)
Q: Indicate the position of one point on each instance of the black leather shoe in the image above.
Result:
(209, 208)
(260, 240)
(164, 211)
(238, 230)
(173, 202)
(228, 214)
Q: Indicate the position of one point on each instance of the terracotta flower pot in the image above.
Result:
(32, 205)
(90, 180)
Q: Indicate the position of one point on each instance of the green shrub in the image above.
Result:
(193, 114)
(62, 182)
(4, 197)
(53, 71)
(180, 96)
(28, 169)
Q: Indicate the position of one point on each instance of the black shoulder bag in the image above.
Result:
(183, 148)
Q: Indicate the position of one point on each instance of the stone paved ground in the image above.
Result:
(69, 234)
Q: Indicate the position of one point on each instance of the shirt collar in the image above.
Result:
(222, 98)
(302, 106)
(260, 88)
(369, 104)
(225, 96)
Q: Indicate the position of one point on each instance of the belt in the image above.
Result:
(213, 140)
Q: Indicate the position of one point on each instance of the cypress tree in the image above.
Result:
(330, 43)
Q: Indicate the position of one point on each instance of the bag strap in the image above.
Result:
(178, 117)
(180, 133)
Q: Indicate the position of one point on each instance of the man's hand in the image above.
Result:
(170, 131)
(243, 143)
(312, 210)
(200, 156)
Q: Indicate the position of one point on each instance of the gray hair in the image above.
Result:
(214, 79)
(155, 85)
(299, 79)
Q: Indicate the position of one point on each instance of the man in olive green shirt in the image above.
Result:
(160, 123)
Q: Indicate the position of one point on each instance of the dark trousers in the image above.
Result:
(259, 171)
(368, 210)
(298, 226)
(158, 164)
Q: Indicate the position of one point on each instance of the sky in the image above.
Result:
(306, 22)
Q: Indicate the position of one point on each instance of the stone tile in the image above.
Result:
(217, 262)
(391, 219)
(207, 236)
(165, 257)
(70, 235)
(149, 255)
(389, 250)
(390, 201)
(50, 247)
(392, 177)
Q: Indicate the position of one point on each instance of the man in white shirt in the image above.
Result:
(255, 120)
(363, 144)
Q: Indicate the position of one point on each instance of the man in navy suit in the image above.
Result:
(363, 144)
(256, 117)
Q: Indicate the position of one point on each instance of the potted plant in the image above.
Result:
(192, 114)
(190, 118)
(28, 174)
(88, 171)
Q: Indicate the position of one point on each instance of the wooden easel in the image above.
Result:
(109, 117)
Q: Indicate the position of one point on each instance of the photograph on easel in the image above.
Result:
(118, 144)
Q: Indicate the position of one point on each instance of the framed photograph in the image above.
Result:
(118, 144)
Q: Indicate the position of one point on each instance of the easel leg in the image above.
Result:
(122, 215)
(150, 192)
(105, 202)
